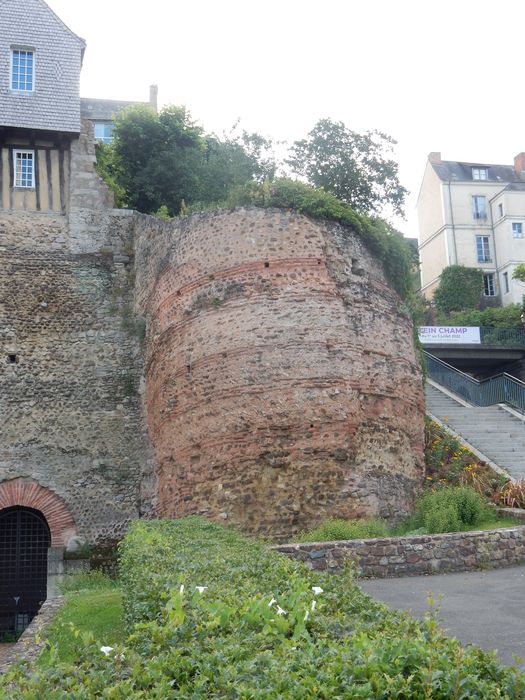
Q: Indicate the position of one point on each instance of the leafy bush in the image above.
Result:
(459, 288)
(213, 615)
(450, 509)
(494, 317)
(331, 530)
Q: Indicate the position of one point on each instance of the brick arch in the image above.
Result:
(29, 494)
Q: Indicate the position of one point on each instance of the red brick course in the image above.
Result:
(29, 494)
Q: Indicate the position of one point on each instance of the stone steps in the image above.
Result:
(496, 433)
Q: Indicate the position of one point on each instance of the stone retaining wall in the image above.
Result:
(414, 556)
(32, 641)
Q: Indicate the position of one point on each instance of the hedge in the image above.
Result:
(214, 615)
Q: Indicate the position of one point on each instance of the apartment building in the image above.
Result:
(473, 214)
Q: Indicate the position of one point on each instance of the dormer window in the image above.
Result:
(24, 162)
(22, 70)
(480, 174)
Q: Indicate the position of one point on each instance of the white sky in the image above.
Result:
(437, 75)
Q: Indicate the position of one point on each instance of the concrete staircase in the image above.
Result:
(498, 434)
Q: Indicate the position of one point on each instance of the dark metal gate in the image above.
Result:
(24, 541)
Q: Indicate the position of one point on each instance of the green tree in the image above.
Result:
(494, 317)
(352, 166)
(459, 288)
(519, 273)
(165, 161)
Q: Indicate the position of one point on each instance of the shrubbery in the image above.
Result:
(494, 317)
(448, 462)
(450, 509)
(337, 529)
(213, 615)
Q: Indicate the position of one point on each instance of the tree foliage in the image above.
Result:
(519, 273)
(459, 288)
(163, 161)
(352, 166)
(494, 317)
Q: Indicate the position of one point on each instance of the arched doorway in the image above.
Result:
(24, 542)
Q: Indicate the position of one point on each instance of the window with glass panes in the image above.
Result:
(104, 131)
(480, 174)
(479, 207)
(24, 167)
(517, 229)
(489, 290)
(22, 70)
(483, 248)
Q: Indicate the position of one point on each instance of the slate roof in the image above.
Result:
(54, 102)
(462, 172)
(104, 110)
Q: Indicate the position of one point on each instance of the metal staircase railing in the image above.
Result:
(502, 388)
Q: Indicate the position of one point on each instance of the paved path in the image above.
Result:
(478, 607)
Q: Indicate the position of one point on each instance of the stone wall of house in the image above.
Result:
(71, 418)
(281, 381)
(415, 556)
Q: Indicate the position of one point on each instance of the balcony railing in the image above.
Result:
(501, 388)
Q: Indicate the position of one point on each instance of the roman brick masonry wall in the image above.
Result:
(281, 381)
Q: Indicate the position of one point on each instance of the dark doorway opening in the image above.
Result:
(24, 543)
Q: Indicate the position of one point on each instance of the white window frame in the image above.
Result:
(489, 286)
(17, 171)
(479, 212)
(517, 229)
(480, 174)
(483, 253)
(30, 50)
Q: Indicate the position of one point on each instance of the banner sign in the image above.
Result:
(447, 335)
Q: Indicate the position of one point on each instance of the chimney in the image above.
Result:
(519, 165)
(153, 93)
(434, 157)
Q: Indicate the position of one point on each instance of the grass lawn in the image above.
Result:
(94, 612)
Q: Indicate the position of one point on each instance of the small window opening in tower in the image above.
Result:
(12, 359)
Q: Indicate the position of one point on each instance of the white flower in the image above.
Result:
(106, 650)
(314, 603)
(181, 589)
(201, 589)
(280, 611)
(317, 590)
(272, 601)
(306, 615)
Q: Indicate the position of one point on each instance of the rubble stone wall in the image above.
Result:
(281, 381)
(415, 556)
(71, 416)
